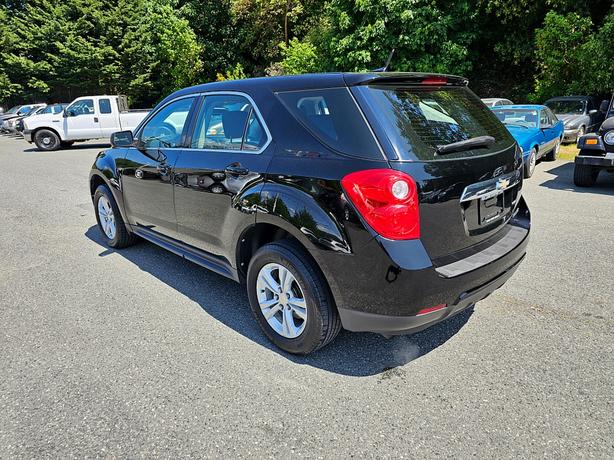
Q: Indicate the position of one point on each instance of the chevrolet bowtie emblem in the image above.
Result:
(502, 184)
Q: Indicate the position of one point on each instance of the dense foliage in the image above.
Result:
(521, 49)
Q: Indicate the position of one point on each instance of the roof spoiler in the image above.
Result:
(407, 78)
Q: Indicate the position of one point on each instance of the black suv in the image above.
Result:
(596, 150)
(381, 202)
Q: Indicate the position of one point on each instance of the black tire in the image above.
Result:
(66, 144)
(122, 238)
(554, 153)
(585, 175)
(322, 323)
(529, 168)
(46, 140)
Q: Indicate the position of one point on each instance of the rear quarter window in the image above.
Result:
(333, 117)
(418, 120)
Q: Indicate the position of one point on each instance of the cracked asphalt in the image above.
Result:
(139, 353)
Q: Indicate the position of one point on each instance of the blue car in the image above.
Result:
(537, 130)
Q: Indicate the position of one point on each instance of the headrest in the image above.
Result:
(234, 124)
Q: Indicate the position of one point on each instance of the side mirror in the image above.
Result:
(604, 106)
(122, 139)
(68, 113)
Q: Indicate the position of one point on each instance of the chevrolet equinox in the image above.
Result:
(381, 202)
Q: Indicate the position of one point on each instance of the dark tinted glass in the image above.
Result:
(419, 119)
(333, 117)
(104, 105)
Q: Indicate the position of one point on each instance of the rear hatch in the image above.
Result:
(467, 193)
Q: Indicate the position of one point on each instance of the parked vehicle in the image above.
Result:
(496, 101)
(89, 117)
(14, 112)
(596, 151)
(537, 130)
(580, 115)
(383, 202)
(46, 110)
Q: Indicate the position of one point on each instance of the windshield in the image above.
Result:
(572, 107)
(418, 120)
(13, 109)
(516, 117)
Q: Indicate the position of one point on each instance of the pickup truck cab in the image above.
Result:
(88, 117)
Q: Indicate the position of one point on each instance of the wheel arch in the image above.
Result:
(104, 173)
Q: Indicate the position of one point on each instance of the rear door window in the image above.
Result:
(418, 120)
(333, 117)
(228, 122)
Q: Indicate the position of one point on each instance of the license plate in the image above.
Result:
(491, 209)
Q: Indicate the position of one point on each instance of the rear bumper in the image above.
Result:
(396, 325)
(382, 288)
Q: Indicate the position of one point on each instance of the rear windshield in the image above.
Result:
(333, 117)
(420, 119)
(567, 106)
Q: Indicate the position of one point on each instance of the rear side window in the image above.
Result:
(420, 119)
(104, 105)
(228, 122)
(333, 117)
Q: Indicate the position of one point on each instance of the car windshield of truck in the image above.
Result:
(570, 107)
(420, 120)
(517, 117)
(13, 109)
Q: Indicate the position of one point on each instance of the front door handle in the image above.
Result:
(95, 119)
(237, 169)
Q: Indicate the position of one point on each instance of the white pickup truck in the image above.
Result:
(88, 117)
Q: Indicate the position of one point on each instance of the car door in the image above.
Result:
(107, 118)
(147, 171)
(545, 135)
(229, 152)
(80, 120)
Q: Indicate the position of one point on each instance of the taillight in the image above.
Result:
(387, 200)
(437, 81)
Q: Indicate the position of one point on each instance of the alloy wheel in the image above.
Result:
(532, 161)
(106, 217)
(281, 300)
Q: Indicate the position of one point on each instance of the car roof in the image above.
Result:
(520, 106)
(569, 98)
(315, 81)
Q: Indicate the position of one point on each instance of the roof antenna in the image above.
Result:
(385, 68)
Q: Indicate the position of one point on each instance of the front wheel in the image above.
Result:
(585, 175)
(290, 298)
(47, 140)
(110, 221)
(529, 165)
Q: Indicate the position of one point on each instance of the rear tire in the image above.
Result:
(554, 153)
(529, 165)
(110, 221)
(46, 140)
(585, 175)
(321, 324)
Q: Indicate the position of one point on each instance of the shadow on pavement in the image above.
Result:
(352, 354)
(564, 181)
(33, 149)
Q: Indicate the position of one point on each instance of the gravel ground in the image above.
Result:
(138, 353)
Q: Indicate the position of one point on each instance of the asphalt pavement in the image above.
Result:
(139, 353)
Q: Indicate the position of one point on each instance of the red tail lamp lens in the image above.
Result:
(387, 200)
(424, 311)
(435, 81)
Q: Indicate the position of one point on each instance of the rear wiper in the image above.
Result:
(467, 144)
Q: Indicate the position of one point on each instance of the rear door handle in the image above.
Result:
(95, 119)
(237, 170)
